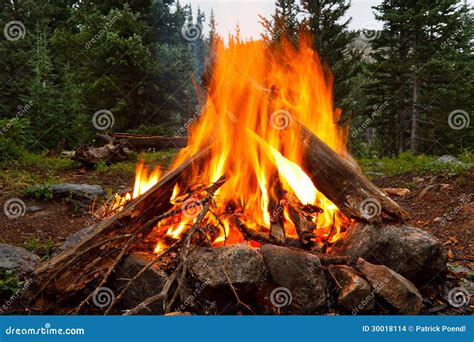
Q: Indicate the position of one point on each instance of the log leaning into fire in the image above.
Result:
(342, 183)
(74, 269)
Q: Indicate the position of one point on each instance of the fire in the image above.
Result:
(255, 94)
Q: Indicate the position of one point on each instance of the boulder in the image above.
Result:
(18, 260)
(243, 265)
(412, 252)
(84, 193)
(355, 293)
(74, 238)
(150, 283)
(299, 276)
(398, 291)
(448, 159)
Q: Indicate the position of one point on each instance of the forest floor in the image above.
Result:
(439, 202)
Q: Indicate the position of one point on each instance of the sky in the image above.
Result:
(245, 12)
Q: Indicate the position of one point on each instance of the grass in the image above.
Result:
(422, 164)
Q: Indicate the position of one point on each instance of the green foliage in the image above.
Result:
(40, 192)
(42, 248)
(9, 283)
(406, 162)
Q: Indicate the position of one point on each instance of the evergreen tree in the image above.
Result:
(421, 68)
(282, 24)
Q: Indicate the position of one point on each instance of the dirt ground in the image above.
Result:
(440, 205)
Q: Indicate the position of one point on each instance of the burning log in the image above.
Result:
(74, 269)
(343, 184)
(144, 142)
(304, 225)
(275, 209)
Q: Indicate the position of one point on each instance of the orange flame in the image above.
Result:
(256, 93)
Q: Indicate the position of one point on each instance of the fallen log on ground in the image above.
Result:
(143, 142)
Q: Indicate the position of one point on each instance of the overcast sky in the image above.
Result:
(245, 12)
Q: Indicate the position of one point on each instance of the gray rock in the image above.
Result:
(355, 294)
(243, 265)
(300, 273)
(150, 283)
(412, 252)
(74, 238)
(448, 159)
(81, 192)
(391, 286)
(18, 260)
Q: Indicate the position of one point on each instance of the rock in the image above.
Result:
(244, 266)
(33, 209)
(391, 286)
(299, 273)
(448, 159)
(412, 252)
(150, 283)
(18, 260)
(82, 192)
(400, 192)
(74, 238)
(356, 294)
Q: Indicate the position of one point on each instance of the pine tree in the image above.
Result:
(325, 21)
(421, 81)
(282, 24)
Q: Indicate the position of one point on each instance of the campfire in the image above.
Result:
(266, 171)
(259, 103)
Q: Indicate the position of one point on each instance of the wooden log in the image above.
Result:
(144, 142)
(91, 156)
(275, 209)
(341, 182)
(304, 226)
(72, 270)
